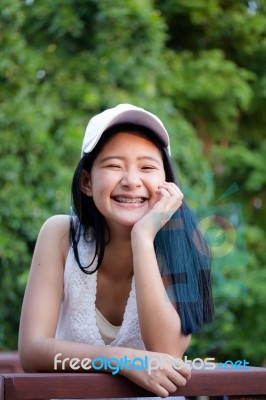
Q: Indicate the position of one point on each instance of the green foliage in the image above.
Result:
(200, 66)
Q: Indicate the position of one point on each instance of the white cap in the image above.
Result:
(123, 113)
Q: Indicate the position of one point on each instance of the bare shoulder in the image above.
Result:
(55, 233)
(56, 225)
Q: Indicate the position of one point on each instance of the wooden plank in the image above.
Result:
(9, 362)
(217, 382)
(64, 386)
(1, 387)
(247, 397)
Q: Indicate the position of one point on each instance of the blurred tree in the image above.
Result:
(199, 65)
(218, 51)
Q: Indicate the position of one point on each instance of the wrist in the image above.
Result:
(141, 239)
(127, 360)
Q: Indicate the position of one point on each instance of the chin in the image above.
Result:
(128, 223)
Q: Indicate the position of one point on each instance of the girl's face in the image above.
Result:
(124, 178)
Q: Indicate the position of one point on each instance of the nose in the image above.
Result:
(131, 179)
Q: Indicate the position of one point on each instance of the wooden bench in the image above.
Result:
(246, 383)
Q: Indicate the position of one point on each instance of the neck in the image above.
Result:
(118, 259)
(119, 234)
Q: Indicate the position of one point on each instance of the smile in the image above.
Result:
(129, 200)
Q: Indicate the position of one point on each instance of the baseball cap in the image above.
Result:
(123, 113)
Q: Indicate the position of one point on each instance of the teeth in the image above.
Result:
(129, 200)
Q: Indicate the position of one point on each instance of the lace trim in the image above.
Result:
(82, 289)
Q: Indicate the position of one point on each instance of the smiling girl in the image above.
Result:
(128, 273)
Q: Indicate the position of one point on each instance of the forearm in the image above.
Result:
(55, 355)
(159, 321)
(51, 354)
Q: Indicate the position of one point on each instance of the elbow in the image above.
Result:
(175, 348)
(180, 348)
(32, 358)
(28, 360)
(27, 367)
(32, 364)
(184, 343)
(27, 363)
(26, 355)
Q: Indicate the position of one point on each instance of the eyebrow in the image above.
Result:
(138, 158)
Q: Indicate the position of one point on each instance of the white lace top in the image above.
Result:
(77, 318)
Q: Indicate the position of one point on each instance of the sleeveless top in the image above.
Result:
(77, 317)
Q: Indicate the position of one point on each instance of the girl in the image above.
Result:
(125, 276)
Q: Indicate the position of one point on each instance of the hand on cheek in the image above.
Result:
(170, 197)
(169, 200)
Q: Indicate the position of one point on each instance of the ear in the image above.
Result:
(85, 183)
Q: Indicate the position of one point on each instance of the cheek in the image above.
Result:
(102, 182)
(154, 180)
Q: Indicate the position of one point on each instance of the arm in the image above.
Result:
(40, 311)
(37, 343)
(159, 320)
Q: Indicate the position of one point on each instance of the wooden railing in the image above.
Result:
(9, 362)
(246, 383)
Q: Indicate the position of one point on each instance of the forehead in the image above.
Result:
(132, 141)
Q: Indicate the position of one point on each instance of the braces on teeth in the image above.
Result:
(129, 200)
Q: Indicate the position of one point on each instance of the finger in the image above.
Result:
(177, 378)
(163, 192)
(175, 197)
(183, 370)
(174, 186)
(172, 200)
(172, 189)
(168, 384)
(162, 392)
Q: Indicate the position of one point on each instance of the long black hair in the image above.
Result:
(182, 253)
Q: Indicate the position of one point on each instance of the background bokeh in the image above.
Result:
(200, 65)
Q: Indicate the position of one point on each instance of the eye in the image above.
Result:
(113, 166)
(148, 167)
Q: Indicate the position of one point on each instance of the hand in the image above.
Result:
(169, 200)
(162, 380)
